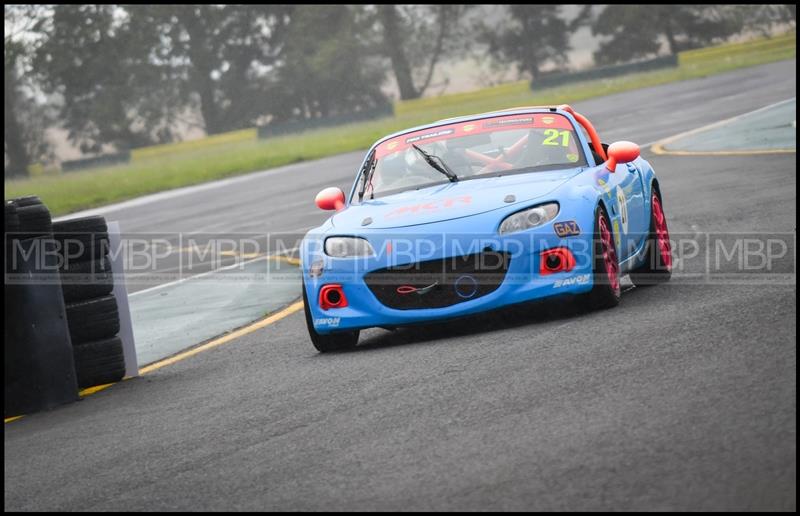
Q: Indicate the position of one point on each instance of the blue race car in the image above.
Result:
(474, 213)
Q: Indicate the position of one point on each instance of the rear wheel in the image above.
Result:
(657, 267)
(340, 341)
(606, 291)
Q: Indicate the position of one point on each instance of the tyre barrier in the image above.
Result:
(39, 364)
(61, 316)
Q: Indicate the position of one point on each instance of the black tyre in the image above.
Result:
(94, 319)
(87, 279)
(657, 267)
(340, 341)
(606, 291)
(99, 362)
(28, 200)
(11, 219)
(82, 239)
(34, 220)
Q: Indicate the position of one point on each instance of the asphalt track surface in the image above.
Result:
(683, 397)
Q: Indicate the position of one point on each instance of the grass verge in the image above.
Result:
(163, 167)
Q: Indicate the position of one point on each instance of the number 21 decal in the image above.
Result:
(552, 137)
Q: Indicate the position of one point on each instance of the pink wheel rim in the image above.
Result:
(609, 255)
(662, 234)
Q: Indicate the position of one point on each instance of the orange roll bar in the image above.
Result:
(598, 146)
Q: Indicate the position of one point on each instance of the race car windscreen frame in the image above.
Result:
(502, 145)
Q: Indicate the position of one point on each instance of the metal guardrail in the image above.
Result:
(295, 126)
(604, 72)
(265, 131)
(96, 161)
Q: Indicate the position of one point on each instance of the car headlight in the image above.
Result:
(530, 218)
(342, 247)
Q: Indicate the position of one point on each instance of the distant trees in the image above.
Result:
(122, 76)
(763, 17)
(25, 119)
(530, 36)
(126, 73)
(326, 66)
(415, 39)
(215, 56)
(17, 156)
(97, 65)
(636, 31)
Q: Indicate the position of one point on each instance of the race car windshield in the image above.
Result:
(480, 148)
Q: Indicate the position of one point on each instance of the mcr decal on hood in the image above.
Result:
(429, 207)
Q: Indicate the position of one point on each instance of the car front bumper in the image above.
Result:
(523, 280)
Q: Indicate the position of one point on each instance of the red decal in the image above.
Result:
(429, 207)
(489, 125)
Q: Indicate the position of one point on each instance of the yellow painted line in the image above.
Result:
(241, 255)
(247, 256)
(241, 332)
(659, 147)
(91, 390)
(287, 259)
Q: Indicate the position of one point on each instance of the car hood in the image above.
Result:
(450, 201)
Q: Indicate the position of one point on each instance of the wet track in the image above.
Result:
(683, 397)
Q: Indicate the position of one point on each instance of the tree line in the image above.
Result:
(124, 76)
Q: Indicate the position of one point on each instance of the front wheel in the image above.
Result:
(340, 341)
(657, 267)
(606, 291)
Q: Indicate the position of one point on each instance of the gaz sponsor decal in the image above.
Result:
(567, 228)
(623, 209)
(331, 322)
(429, 207)
(469, 128)
(548, 120)
(581, 279)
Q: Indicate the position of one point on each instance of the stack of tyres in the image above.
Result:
(29, 218)
(39, 366)
(92, 315)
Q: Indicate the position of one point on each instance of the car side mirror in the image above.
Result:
(621, 152)
(330, 199)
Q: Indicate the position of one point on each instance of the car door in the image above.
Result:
(628, 218)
